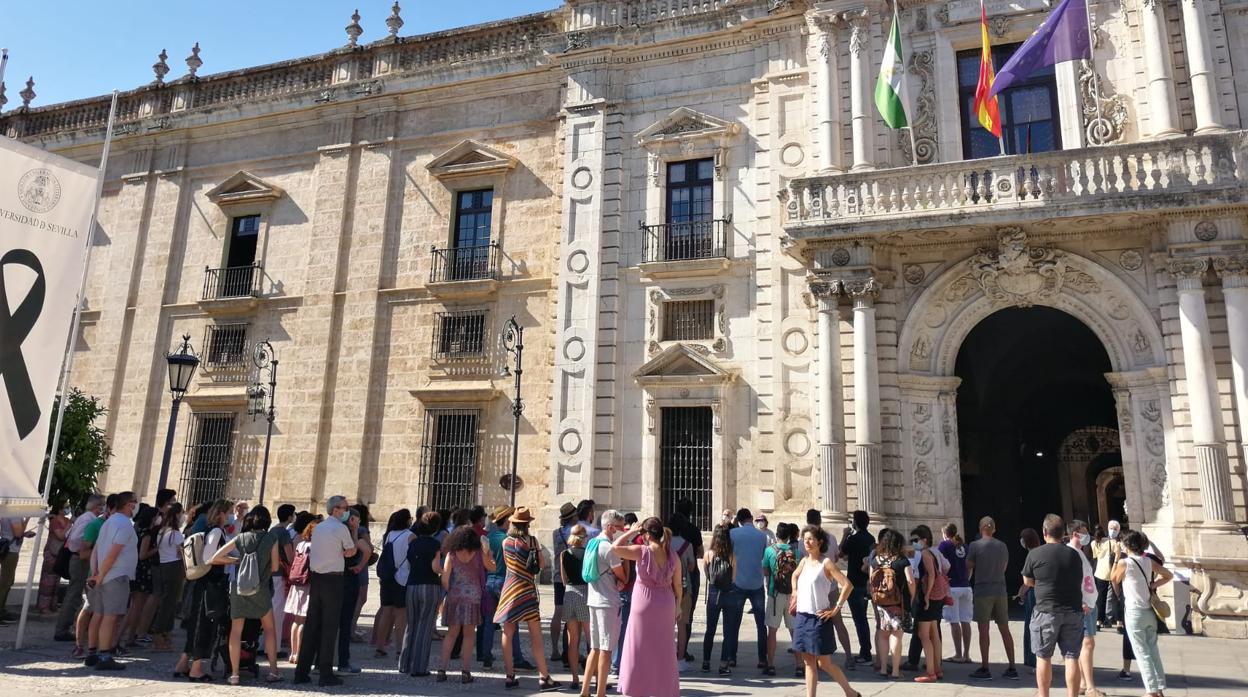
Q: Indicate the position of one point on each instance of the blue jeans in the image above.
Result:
(626, 604)
(734, 613)
(713, 609)
(858, 609)
(1029, 606)
(486, 630)
(1142, 629)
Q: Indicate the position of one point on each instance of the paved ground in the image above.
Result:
(1195, 666)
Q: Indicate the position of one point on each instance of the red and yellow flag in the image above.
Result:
(986, 108)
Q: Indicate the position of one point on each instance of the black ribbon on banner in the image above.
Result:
(14, 328)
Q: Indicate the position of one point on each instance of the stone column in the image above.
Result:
(867, 397)
(1196, 38)
(1163, 112)
(1202, 391)
(1234, 273)
(831, 434)
(862, 119)
(829, 102)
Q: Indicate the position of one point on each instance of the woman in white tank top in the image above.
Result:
(814, 635)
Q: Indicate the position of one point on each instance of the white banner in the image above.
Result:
(46, 203)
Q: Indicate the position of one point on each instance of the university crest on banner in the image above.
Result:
(46, 203)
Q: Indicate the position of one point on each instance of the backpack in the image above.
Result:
(786, 564)
(386, 567)
(720, 571)
(298, 575)
(589, 565)
(885, 592)
(247, 577)
(193, 556)
(684, 568)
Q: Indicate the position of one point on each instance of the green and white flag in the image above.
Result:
(892, 95)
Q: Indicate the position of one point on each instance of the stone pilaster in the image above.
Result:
(1198, 41)
(862, 117)
(867, 397)
(830, 390)
(1163, 112)
(1233, 269)
(1198, 366)
(829, 105)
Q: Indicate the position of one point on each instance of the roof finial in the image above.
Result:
(193, 61)
(161, 68)
(394, 22)
(354, 30)
(28, 94)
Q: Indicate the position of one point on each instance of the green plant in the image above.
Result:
(84, 450)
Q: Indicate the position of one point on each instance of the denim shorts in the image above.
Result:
(1089, 623)
(1062, 630)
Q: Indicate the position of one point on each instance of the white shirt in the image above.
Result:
(330, 539)
(1089, 582)
(77, 530)
(602, 592)
(169, 546)
(814, 588)
(117, 530)
(398, 541)
(1135, 592)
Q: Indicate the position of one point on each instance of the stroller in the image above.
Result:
(248, 653)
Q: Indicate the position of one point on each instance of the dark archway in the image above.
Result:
(1030, 376)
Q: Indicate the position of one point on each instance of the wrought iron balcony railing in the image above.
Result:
(702, 239)
(1063, 182)
(474, 263)
(233, 282)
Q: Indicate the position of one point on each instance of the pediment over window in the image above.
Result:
(681, 364)
(470, 157)
(244, 187)
(687, 124)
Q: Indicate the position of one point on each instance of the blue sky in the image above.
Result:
(84, 48)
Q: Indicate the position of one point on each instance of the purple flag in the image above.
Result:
(1062, 36)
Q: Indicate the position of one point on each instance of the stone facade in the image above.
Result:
(840, 281)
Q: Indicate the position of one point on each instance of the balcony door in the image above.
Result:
(690, 208)
(1030, 120)
(469, 256)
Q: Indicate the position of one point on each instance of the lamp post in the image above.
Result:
(266, 363)
(182, 365)
(513, 342)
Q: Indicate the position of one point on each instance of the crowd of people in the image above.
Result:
(240, 581)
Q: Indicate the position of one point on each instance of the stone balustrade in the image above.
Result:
(1099, 179)
(628, 13)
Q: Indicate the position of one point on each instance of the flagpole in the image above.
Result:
(914, 151)
(67, 366)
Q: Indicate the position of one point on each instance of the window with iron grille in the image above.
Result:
(459, 334)
(225, 351)
(206, 462)
(688, 320)
(685, 461)
(448, 468)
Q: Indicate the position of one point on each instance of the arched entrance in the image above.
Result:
(1031, 377)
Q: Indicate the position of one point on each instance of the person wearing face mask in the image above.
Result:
(58, 531)
(603, 598)
(169, 576)
(1106, 550)
(931, 589)
(331, 545)
(1080, 540)
(856, 545)
(78, 568)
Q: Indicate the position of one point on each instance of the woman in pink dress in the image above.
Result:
(648, 665)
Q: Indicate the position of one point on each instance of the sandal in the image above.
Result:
(465, 677)
(233, 680)
(273, 677)
(546, 684)
(441, 676)
(511, 682)
(769, 670)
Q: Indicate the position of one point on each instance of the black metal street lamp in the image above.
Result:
(182, 365)
(513, 342)
(257, 395)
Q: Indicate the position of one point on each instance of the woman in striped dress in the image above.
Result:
(518, 602)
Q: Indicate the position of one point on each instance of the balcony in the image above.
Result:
(232, 289)
(464, 272)
(696, 248)
(1118, 180)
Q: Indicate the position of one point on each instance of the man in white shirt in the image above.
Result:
(79, 569)
(332, 544)
(1077, 530)
(604, 603)
(12, 532)
(113, 564)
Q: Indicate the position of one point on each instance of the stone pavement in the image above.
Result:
(1195, 666)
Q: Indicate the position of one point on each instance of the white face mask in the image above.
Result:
(1084, 539)
(1113, 534)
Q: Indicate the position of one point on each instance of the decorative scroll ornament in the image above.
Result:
(1104, 118)
(925, 128)
(1016, 274)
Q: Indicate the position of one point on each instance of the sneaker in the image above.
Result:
(488, 664)
(1124, 675)
(91, 660)
(862, 658)
(725, 670)
(109, 664)
(981, 674)
(349, 670)
(145, 639)
(1010, 674)
(706, 666)
(682, 666)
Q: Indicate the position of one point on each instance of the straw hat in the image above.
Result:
(567, 512)
(522, 515)
(501, 513)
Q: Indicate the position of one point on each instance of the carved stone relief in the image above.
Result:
(1017, 274)
(1104, 117)
(925, 127)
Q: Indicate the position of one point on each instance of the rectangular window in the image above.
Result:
(206, 462)
(469, 256)
(244, 233)
(689, 320)
(685, 457)
(448, 469)
(1029, 113)
(225, 351)
(690, 206)
(459, 334)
